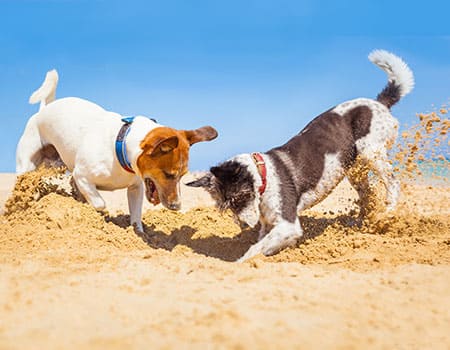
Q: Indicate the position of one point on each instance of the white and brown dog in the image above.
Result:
(272, 187)
(103, 151)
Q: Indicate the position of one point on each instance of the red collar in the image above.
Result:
(261, 166)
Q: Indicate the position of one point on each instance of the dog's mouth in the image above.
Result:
(151, 192)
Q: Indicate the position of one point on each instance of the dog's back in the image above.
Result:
(61, 124)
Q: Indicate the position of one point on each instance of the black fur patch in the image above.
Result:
(390, 95)
(234, 186)
(360, 119)
(305, 152)
(289, 187)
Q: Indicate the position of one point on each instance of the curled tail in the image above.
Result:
(400, 77)
(46, 93)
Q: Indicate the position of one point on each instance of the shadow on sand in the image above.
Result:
(224, 248)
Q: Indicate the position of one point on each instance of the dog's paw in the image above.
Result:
(138, 227)
(240, 260)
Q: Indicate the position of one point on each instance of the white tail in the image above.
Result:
(47, 92)
(397, 70)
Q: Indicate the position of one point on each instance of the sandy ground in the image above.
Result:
(74, 278)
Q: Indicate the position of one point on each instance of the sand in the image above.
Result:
(71, 277)
(75, 278)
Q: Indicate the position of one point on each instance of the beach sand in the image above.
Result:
(74, 278)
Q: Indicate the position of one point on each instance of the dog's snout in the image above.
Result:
(174, 206)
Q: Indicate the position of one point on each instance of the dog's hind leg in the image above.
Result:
(28, 152)
(379, 163)
(358, 176)
(283, 235)
(384, 170)
(89, 191)
(373, 149)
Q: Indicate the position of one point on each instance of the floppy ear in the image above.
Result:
(163, 146)
(218, 172)
(224, 172)
(206, 133)
(204, 181)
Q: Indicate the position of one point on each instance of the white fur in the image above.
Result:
(372, 149)
(47, 91)
(275, 233)
(333, 173)
(84, 135)
(344, 107)
(271, 199)
(283, 235)
(396, 69)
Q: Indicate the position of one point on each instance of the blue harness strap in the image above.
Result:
(121, 148)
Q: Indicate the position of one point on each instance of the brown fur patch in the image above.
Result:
(165, 157)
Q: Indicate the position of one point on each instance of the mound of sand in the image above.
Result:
(34, 185)
(38, 219)
(390, 241)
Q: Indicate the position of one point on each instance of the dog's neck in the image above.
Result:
(140, 127)
(271, 178)
(246, 160)
(269, 201)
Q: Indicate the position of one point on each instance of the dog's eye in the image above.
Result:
(169, 176)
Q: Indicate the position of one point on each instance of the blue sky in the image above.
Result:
(258, 71)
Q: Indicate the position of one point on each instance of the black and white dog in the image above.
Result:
(272, 187)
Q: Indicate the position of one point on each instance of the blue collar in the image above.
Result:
(121, 147)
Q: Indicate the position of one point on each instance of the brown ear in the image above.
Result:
(163, 146)
(206, 133)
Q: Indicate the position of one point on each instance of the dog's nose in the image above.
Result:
(174, 206)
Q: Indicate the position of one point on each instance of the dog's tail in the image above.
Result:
(46, 93)
(400, 77)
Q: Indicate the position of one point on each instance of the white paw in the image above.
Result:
(138, 226)
(253, 250)
(97, 202)
(99, 205)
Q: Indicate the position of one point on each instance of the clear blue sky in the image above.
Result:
(257, 70)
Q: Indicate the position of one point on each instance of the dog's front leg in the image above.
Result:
(262, 230)
(135, 194)
(283, 235)
(89, 191)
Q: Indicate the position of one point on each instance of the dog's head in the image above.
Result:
(232, 186)
(164, 160)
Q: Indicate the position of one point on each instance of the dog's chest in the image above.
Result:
(270, 208)
(111, 183)
(270, 205)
